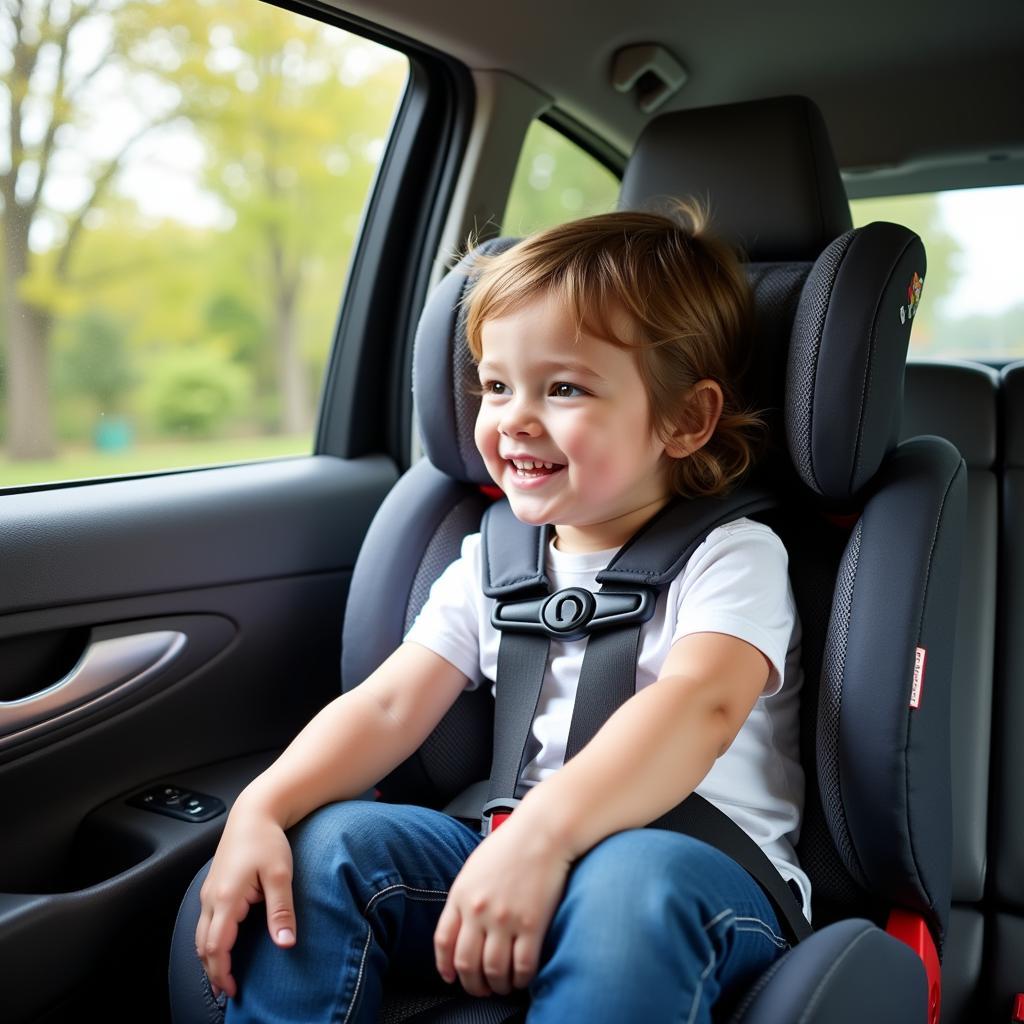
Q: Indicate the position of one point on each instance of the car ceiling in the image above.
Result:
(912, 93)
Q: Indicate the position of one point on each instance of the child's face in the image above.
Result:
(581, 407)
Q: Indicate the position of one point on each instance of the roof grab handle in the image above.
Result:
(650, 72)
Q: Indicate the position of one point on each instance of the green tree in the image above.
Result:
(294, 132)
(48, 79)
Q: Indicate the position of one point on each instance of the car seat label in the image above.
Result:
(915, 689)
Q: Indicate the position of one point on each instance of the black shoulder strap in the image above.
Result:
(513, 569)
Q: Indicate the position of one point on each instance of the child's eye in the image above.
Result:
(493, 387)
(565, 390)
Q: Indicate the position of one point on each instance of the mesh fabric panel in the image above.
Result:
(803, 355)
(458, 752)
(815, 549)
(442, 549)
(423, 1006)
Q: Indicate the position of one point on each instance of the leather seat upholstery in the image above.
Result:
(958, 400)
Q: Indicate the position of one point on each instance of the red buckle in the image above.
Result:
(495, 813)
(910, 928)
(1018, 1009)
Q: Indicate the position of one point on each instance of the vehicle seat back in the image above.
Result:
(1005, 941)
(958, 400)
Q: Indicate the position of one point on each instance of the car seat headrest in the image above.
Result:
(766, 166)
(847, 353)
(442, 372)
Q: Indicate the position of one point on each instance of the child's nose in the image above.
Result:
(520, 420)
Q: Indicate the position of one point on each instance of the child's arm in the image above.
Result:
(657, 747)
(649, 755)
(348, 747)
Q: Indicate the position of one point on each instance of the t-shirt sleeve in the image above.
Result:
(737, 583)
(448, 622)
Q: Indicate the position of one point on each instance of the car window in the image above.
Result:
(556, 181)
(179, 211)
(973, 300)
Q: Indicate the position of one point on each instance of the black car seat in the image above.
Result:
(958, 400)
(874, 530)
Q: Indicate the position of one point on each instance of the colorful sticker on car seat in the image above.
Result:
(915, 688)
(913, 298)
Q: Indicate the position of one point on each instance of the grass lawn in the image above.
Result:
(84, 463)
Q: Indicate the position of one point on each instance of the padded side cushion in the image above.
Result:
(847, 357)
(848, 973)
(416, 533)
(884, 703)
(442, 372)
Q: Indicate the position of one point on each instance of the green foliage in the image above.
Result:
(194, 393)
(286, 118)
(555, 181)
(96, 361)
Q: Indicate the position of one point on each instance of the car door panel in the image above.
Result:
(243, 572)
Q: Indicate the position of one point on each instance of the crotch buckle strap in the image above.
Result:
(575, 613)
(495, 812)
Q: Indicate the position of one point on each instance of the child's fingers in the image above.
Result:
(220, 940)
(277, 892)
(525, 958)
(497, 961)
(444, 941)
(468, 958)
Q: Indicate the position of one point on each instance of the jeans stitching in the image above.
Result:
(408, 888)
(431, 896)
(777, 943)
(778, 939)
(728, 916)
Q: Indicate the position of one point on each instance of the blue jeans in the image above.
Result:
(653, 925)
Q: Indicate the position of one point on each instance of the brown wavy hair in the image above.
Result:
(688, 303)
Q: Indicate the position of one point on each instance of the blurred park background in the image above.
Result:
(182, 183)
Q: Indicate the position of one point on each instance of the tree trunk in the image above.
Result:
(30, 433)
(295, 414)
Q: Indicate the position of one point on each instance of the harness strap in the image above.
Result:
(514, 571)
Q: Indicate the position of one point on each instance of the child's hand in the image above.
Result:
(253, 862)
(493, 925)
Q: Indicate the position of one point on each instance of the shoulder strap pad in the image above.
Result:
(512, 553)
(657, 553)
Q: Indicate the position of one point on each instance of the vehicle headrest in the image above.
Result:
(766, 166)
(1013, 410)
(843, 380)
(847, 353)
(442, 372)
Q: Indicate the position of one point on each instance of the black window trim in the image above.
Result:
(366, 397)
(609, 156)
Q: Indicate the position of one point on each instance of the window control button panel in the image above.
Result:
(176, 802)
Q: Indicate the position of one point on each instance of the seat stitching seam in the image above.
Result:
(820, 987)
(920, 626)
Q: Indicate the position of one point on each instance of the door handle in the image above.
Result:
(106, 671)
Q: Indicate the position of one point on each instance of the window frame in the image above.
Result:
(366, 401)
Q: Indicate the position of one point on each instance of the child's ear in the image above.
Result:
(698, 420)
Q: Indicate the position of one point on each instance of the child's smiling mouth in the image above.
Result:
(528, 470)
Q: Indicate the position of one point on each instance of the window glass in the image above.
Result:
(556, 181)
(973, 300)
(179, 209)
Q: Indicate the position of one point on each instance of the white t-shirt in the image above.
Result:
(736, 583)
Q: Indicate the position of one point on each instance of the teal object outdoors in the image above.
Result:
(113, 434)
